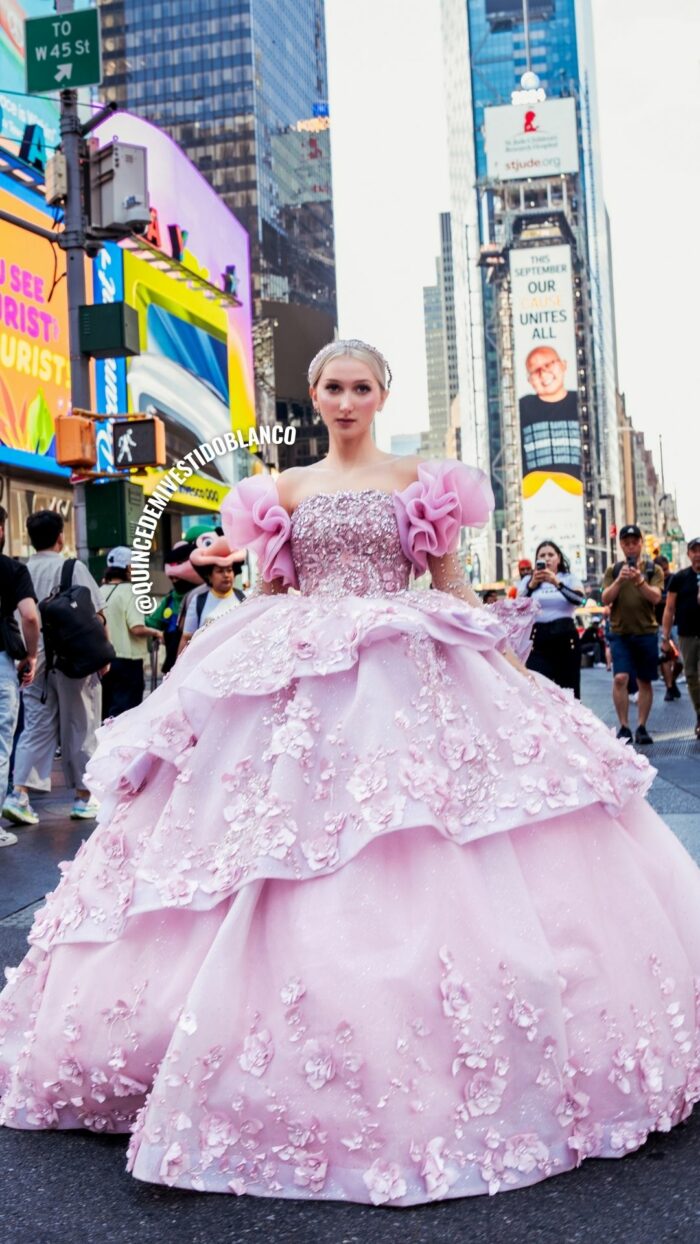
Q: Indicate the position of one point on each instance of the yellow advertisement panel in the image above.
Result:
(34, 353)
(186, 374)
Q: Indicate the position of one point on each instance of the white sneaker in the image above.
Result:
(18, 809)
(6, 838)
(84, 809)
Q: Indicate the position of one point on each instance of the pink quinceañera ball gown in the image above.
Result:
(367, 915)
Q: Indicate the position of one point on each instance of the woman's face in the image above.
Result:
(549, 555)
(348, 396)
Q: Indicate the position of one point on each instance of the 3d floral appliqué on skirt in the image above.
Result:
(367, 916)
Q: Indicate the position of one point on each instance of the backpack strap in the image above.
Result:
(49, 651)
(239, 594)
(67, 574)
(201, 602)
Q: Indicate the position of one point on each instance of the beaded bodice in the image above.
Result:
(347, 543)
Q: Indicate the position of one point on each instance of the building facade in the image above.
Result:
(441, 349)
(511, 189)
(242, 87)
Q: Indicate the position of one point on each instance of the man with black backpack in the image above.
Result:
(62, 705)
(632, 588)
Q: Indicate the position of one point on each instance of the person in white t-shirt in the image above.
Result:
(218, 565)
(124, 684)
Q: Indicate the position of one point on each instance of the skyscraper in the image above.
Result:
(242, 88)
(441, 348)
(532, 272)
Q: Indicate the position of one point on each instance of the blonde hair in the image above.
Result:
(352, 348)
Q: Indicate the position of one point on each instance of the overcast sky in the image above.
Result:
(390, 183)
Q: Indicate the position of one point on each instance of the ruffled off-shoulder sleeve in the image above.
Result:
(446, 496)
(252, 516)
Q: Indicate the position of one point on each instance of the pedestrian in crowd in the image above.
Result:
(683, 610)
(632, 588)
(218, 565)
(123, 685)
(669, 657)
(489, 598)
(556, 649)
(166, 616)
(17, 653)
(57, 710)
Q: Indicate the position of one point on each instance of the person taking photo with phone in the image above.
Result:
(556, 650)
(632, 588)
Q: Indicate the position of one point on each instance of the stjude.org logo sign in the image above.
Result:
(141, 584)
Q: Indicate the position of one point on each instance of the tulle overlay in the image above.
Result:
(367, 915)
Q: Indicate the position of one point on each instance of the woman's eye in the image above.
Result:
(363, 388)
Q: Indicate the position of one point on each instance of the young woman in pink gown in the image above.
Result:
(370, 913)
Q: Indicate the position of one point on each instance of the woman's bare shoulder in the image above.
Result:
(406, 467)
(295, 483)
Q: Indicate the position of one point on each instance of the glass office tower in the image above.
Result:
(488, 46)
(241, 86)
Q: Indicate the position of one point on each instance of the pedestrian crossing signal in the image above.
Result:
(138, 442)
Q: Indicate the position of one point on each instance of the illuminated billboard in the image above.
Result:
(34, 354)
(18, 110)
(545, 370)
(195, 369)
(531, 140)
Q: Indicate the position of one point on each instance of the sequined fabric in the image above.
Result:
(347, 544)
(368, 914)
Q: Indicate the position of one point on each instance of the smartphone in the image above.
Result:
(632, 563)
(22, 669)
(540, 565)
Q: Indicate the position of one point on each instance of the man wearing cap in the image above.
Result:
(683, 608)
(632, 588)
(123, 685)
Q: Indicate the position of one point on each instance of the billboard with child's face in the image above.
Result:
(546, 383)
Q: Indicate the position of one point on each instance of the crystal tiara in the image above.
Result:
(355, 344)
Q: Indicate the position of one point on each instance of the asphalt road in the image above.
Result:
(57, 1188)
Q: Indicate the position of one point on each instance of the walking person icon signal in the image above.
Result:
(125, 445)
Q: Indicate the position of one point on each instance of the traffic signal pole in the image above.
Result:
(72, 241)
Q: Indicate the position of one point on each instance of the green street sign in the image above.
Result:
(63, 50)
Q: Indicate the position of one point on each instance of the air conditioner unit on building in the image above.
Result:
(119, 188)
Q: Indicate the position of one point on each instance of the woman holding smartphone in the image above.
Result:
(556, 650)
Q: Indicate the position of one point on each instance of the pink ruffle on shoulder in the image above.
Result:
(446, 496)
(252, 516)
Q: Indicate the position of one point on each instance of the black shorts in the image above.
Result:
(636, 654)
